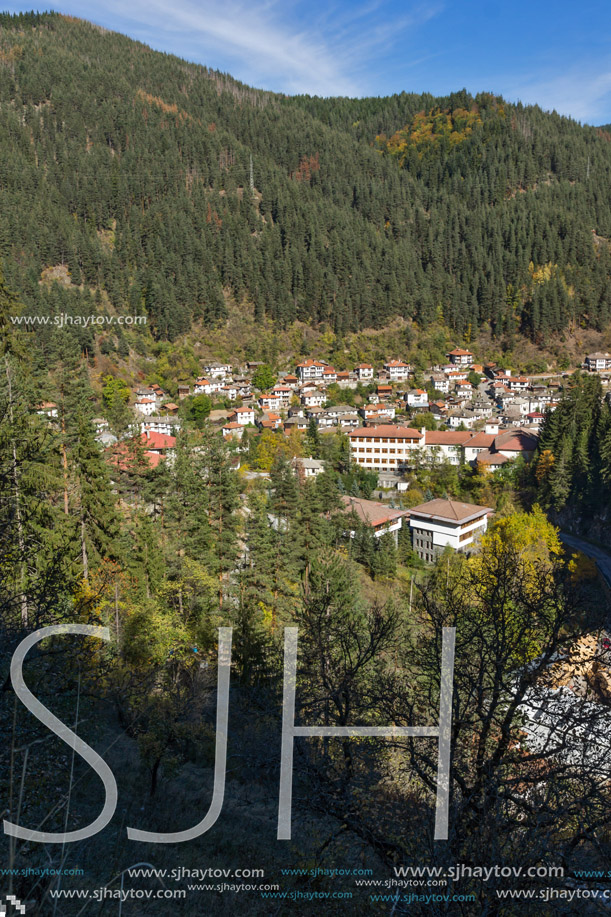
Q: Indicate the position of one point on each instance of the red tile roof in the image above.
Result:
(372, 512)
(387, 431)
(158, 440)
(446, 437)
(449, 510)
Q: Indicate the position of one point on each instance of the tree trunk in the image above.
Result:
(17, 492)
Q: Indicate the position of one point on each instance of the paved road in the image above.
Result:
(602, 557)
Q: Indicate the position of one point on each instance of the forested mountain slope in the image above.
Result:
(132, 168)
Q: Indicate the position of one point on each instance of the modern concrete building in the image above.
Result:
(446, 523)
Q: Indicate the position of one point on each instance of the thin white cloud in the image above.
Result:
(581, 92)
(274, 44)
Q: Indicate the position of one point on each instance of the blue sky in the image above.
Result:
(556, 54)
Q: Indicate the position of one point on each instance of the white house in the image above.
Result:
(397, 370)
(441, 523)
(460, 357)
(48, 408)
(243, 416)
(233, 430)
(160, 423)
(379, 516)
(464, 418)
(230, 391)
(417, 398)
(146, 406)
(329, 375)
(313, 399)
(308, 467)
(285, 393)
(380, 413)
(217, 370)
(309, 370)
(598, 362)
(270, 401)
(364, 372)
(202, 386)
(441, 382)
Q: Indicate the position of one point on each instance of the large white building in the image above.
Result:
(385, 447)
(446, 523)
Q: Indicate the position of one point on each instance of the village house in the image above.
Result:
(390, 480)
(230, 391)
(460, 357)
(364, 372)
(290, 380)
(534, 419)
(295, 423)
(491, 461)
(338, 411)
(243, 416)
(269, 401)
(349, 421)
(463, 418)
(439, 410)
(233, 430)
(479, 442)
(99, 424)
(441, 383)
(397, 370)
(329, 375)
(203, 386)
(324, 420)
(378, 413)
(269, 421)
(446, 523)
(382, 519)
(517, 383)
(598, 362)
(183, 392)
(145, 406)
(217, 370)
(313, 399)
(346, 379)
(384, 447)
(158, 442)
(384, 391)
(514, 443)
(417, 398)
(285, 393)
(463, 391)
(310, 370)
(166, 424)
(307, 467)
(47, 408)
